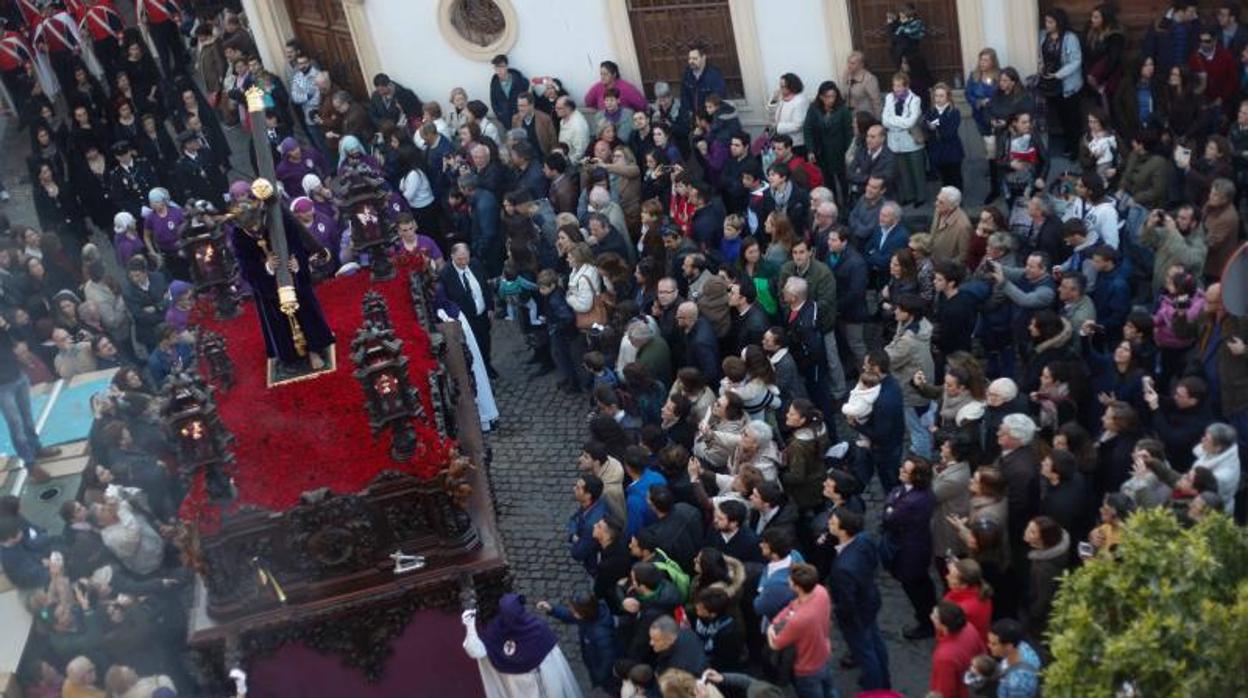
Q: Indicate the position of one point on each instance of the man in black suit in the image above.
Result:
(856, 598)
(772, 509)
(679, 528)
(749, 320)
(805, 343)
(130, 179)
(614, 560)
(197, 176)
(393, 102)
(731, 536)
(463, 280)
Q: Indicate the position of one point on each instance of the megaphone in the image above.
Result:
(1235, 283)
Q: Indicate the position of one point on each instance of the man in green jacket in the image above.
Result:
(821, 283)
(1177, 239)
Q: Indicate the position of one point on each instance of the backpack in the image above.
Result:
(674, 572)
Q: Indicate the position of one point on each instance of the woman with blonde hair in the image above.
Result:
(624, 178)
(981, 85)
(780, 229)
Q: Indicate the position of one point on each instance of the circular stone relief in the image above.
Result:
(478, 29)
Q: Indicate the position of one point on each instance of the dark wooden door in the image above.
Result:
(321, 26)
(942, 46)
(665, 30)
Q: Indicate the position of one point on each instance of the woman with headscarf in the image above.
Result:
(322, 227)
(126, 239)
(162, 228)
(518, 654)
(322, 198)
(181, 302)
(351, 153)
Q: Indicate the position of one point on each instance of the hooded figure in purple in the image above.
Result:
(298, 161)
(518, 654)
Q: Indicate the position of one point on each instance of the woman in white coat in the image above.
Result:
(788, 111)
(902, 109)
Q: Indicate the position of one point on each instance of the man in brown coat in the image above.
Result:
(951, 227)
(535, 122)
(355, 119)
(1221, 227)
(563, 192)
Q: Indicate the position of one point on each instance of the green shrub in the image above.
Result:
(1169, 613)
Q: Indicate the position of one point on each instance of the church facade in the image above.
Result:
(435, 45)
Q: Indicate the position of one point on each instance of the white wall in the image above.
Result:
(563, 38)
(794, 40)
(996, 32)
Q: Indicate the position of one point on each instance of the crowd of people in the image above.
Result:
(754, 325)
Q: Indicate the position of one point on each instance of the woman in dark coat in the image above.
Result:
(90, 180)
(59, 210)
(1011, 98)
(125, 125)
(1049, 557)
(47, 148)
(1184, 109)
(941, 122)
(1104, 44)
(828, 129)
(1139, 101)
(1114, 450)
(144, 77)
(86, 90)
(907, 533)
(1051, 341)
(86, 129)
(156, 146)
(803, 471)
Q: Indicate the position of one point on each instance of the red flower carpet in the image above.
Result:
(314, 433)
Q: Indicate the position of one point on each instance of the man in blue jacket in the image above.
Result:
(701, 345)
(589, 511)
(636, 498)
(852, 277)
(856, 598)
(1112, 293)
(485, 239)
(886, 427)
(774, 592)
(505, 87)
(887, 239)
(700, 80)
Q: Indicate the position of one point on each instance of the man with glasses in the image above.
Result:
(1216, 68)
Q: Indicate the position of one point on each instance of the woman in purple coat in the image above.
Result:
(906, 549)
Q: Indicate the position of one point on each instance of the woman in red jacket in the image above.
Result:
(968, 590)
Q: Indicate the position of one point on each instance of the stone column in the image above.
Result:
(271, 28)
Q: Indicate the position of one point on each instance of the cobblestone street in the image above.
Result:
(535, 450)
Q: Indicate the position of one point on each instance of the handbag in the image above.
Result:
(596, 315)
(1050, 87)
